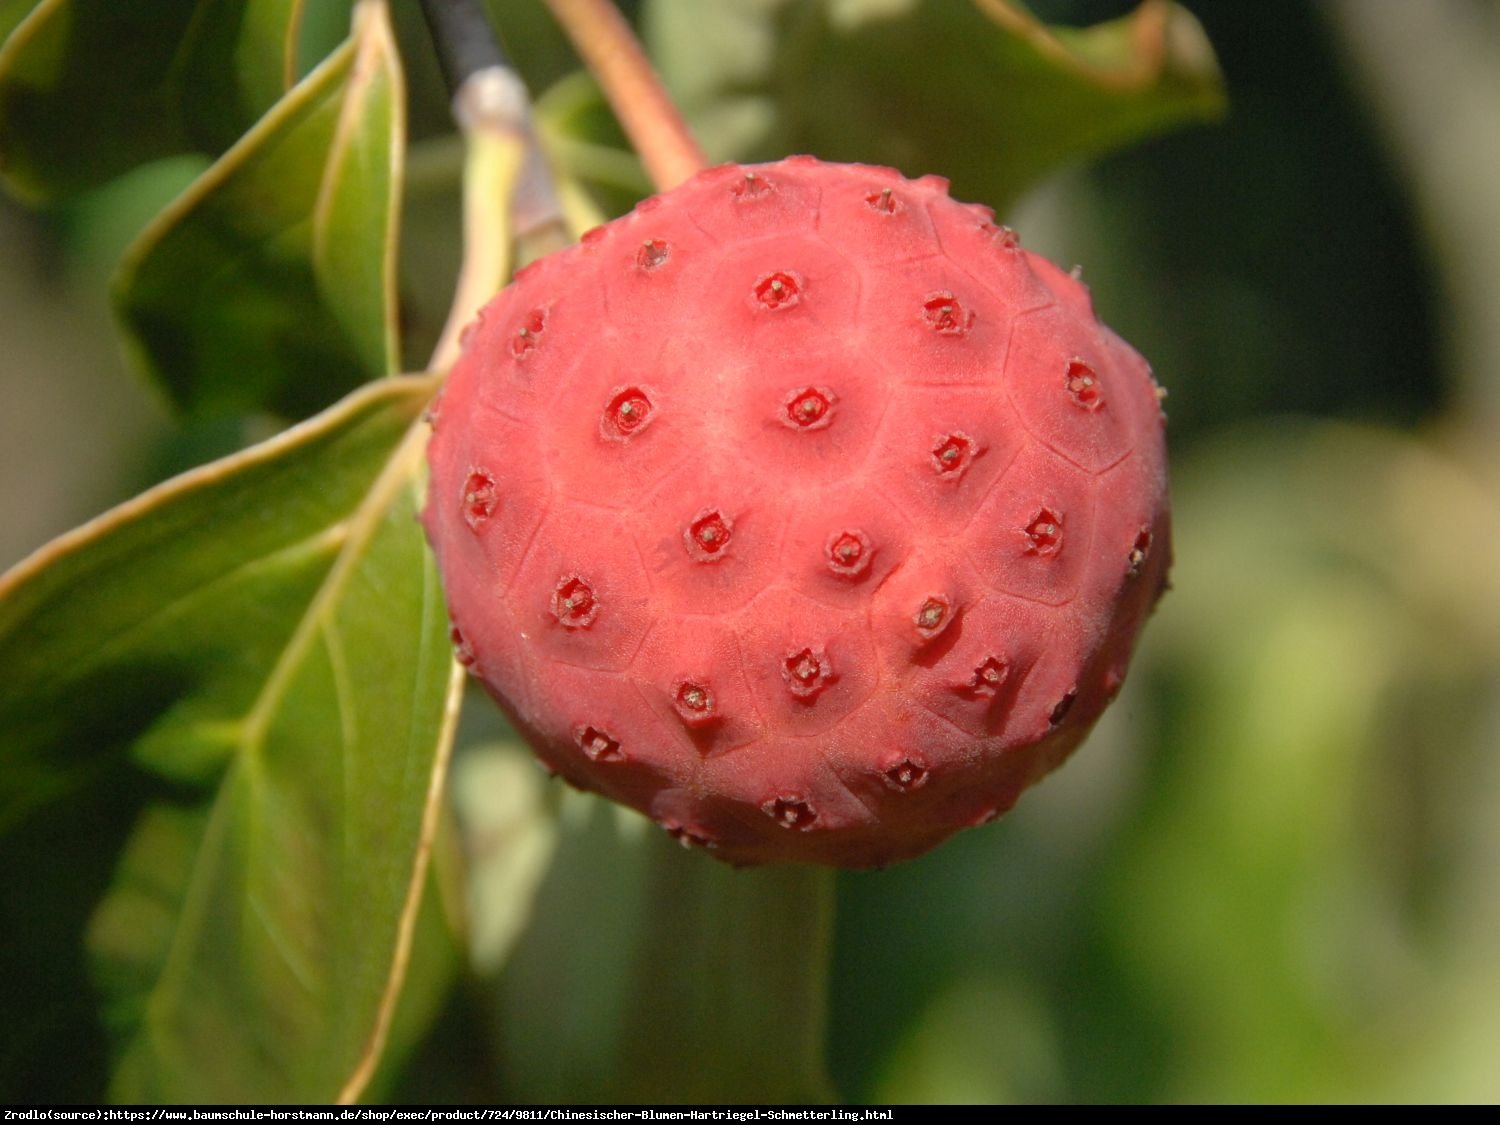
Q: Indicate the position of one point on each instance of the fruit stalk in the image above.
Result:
(646, 111)
(494, 155)
(507, 191)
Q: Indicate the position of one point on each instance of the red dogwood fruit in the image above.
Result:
(801, 509)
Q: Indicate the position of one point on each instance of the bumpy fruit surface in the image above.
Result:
(801, 509)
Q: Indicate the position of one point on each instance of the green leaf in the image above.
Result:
(264, 640)
(12, 12)
(270, 283)
(427, 987)
(92, 88)
(650, 974)
(982, 93)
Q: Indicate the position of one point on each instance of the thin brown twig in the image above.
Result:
(651, 120)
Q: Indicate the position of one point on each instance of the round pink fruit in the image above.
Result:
(801, 509)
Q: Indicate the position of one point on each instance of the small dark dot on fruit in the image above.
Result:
(849, 553)
(945, 315)
(806, 672)
(627, 413)
(463, 652)
(652, 254)
(906, 775)
(810, 408)
(687, 837)
(751, 187)
(778, 291)
(1139, 552)
(790, 812)
(525, 341)
(1064, 705)
(1114, 680)
(952, 453)
(932, 616)
(598, 745)
(988, 676)
(1083, 385)
(1044, 533)
(574, 603)
(694, 702)
(708, 536)
(1002, 236)
(479, 497)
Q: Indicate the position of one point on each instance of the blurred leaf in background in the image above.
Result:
(982, 93)
(76, 109)
(270, 282)
(1330, 670)
(646, 975)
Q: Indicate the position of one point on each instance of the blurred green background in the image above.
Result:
(1271, 874)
